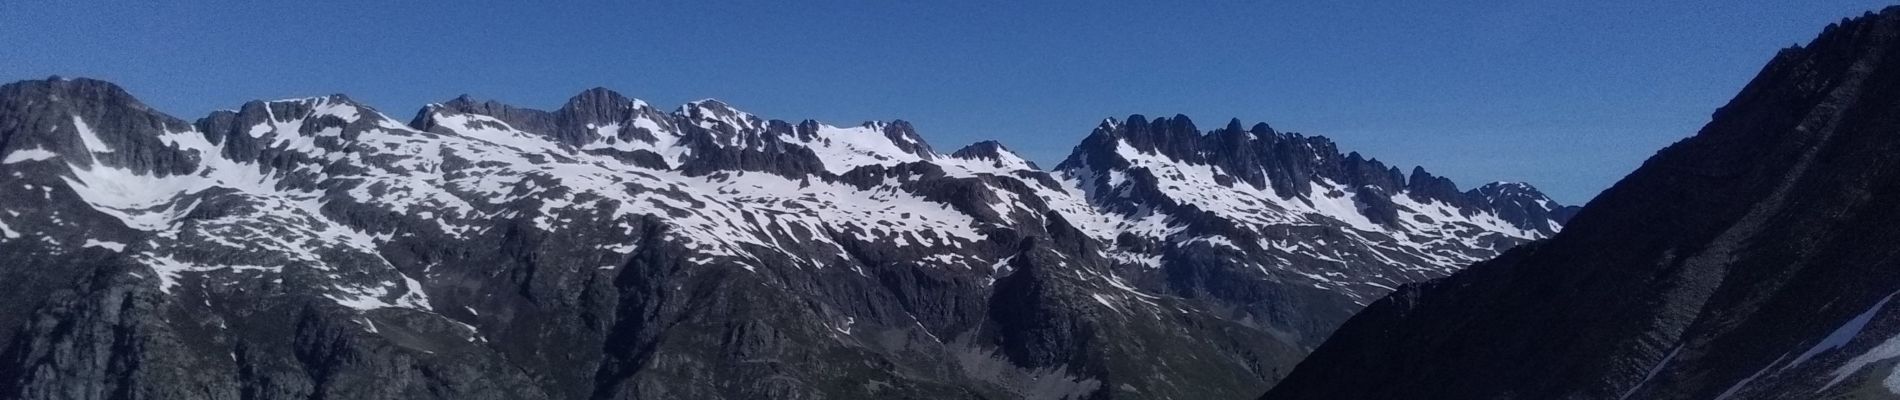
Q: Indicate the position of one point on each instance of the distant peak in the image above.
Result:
(995, 152)
(1181, 124)
(1233, 125)
(1178, 125)
(989, 149)
(905, 137)
(1261, 128)
(464, 98)
(72, 82)
(708, 103)
(708, 113)
(63, 88)
(600, 100)
(1508, 185)
(709, 107)
(1505, 189)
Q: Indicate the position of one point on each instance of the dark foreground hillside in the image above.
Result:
(1754, 260)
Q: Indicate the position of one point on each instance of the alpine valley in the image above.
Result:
(318, 249)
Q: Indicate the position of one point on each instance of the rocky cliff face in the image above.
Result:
(1748, 261)
(315, 248)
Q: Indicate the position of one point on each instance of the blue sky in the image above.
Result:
(1567, 95)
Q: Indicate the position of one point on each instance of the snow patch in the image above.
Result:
(1841, 335)
(89, 138)
(24, 155)
(114, 246)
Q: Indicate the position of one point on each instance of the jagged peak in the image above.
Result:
(874, 138)
(1422, 185)
(711, 113)
(1262, 129)
(337, 99)
(1175, 137)
(465, 102)
(1178, 137)
(1507, 185)
(1178, 125)
(1233, 124)
(1261, 156)
(711, 105)
(592, 101)
(276, 123)
(988, 149)
(98, 121)
(595, 115)
(465, 99)
(1499, 190)
(599, 91)
(601, 119)
(997, 155)
(905, 137)
(300, 108)
(1182, 125)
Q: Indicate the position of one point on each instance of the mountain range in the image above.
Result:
(317, 248)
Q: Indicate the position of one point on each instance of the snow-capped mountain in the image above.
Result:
(1247, 216)
(1751, 261)
(316, 248)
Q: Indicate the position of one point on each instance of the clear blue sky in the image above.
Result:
(1568, 95)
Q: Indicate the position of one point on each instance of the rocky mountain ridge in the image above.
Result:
(315, 248)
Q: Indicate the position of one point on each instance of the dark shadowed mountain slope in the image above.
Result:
(1753, 260)
(317, 249)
